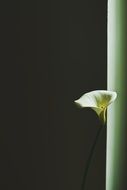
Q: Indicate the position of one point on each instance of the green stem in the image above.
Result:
(90, 159)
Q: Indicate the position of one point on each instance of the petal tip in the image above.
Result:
(77, 103)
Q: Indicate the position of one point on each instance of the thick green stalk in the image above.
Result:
(117, 81)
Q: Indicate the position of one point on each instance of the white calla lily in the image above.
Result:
(98, 100)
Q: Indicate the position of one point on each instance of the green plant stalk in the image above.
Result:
(117, 81)
(90, 158)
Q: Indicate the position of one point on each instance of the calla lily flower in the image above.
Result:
(98, 100)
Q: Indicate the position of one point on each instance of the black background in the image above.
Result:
(52, 53)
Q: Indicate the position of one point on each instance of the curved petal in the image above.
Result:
(86, 101)
(97, 99)
(103, 97)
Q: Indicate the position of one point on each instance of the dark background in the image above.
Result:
(52, 53)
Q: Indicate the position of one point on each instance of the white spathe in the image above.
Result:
(98, 100)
